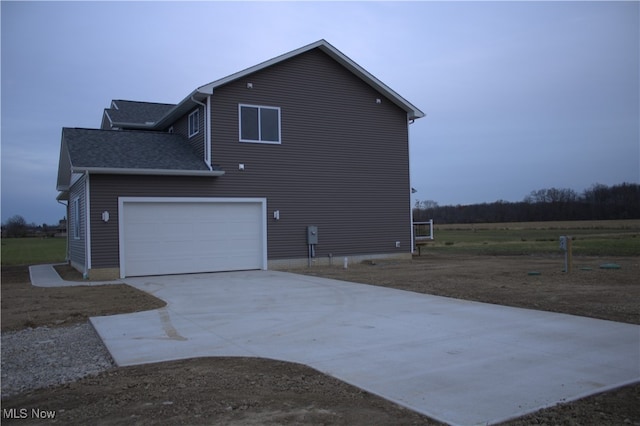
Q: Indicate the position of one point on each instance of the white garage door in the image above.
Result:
(177, 237)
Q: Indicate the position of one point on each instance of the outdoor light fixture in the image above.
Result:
(276, 214)
(249, 85)
(105, 216)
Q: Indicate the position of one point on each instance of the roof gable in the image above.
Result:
(135, 114)
(412, 111)
(152, 116)
(200, 94)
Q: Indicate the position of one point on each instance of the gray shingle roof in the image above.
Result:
(137, 112)
(124, 149)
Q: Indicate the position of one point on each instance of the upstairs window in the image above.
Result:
(259, 124)
(194, 122)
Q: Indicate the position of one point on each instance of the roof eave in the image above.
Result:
(202, 92)
(182, 108)
(147, 172)
(133, 126)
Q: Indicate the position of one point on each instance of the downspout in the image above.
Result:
(410, 122)
(87, 229)
(208, 136)
(207, 161)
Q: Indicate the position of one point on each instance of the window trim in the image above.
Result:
(194, 124)
(76, 218)
(259, 140)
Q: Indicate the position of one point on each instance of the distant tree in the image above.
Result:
(16, 227)
(427, 204)
(599, 202)
(424, 210)
(552, 195)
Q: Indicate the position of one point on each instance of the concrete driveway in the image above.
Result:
(460, 362)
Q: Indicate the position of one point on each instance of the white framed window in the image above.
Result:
(259, 124)
(76, 218)
(194, 122)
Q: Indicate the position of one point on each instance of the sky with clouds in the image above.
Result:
(519, 96)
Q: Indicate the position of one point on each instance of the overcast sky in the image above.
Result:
(519, 96)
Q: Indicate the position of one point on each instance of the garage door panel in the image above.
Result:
(186, 237)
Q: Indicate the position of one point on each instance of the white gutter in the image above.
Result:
(87, 228)
(133, 126)
(207, 126)
(152, 172)
(206, 129)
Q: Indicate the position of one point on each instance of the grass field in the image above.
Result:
(593, 238)
(30, 251)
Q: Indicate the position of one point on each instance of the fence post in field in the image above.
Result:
(565, 245)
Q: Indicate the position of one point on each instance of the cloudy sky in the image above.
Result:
(519, 96)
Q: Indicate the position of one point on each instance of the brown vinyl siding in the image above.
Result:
(342, 164)
(77, 246)
(181, 127)
(105, 191)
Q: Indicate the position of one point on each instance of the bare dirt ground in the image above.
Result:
(235, 391)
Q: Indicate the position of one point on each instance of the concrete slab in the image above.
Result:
(46, 276)
(460, 362)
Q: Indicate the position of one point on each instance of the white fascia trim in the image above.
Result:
(124, 200)
(146, 172)
(106, 112)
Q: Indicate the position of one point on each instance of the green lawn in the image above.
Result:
(607, 240)
(31, 251)
(522, 240)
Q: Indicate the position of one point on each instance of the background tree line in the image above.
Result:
(599, 202)
(17, 227)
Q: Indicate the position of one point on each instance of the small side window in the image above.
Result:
(76, 218)
(194, 123)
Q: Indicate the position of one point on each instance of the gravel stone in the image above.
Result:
(40, 357)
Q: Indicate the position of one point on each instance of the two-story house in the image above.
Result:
(233, 176)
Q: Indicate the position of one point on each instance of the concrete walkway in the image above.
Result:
(460, 362)
(46, 276)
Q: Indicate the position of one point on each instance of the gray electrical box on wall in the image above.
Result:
(312, 234)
